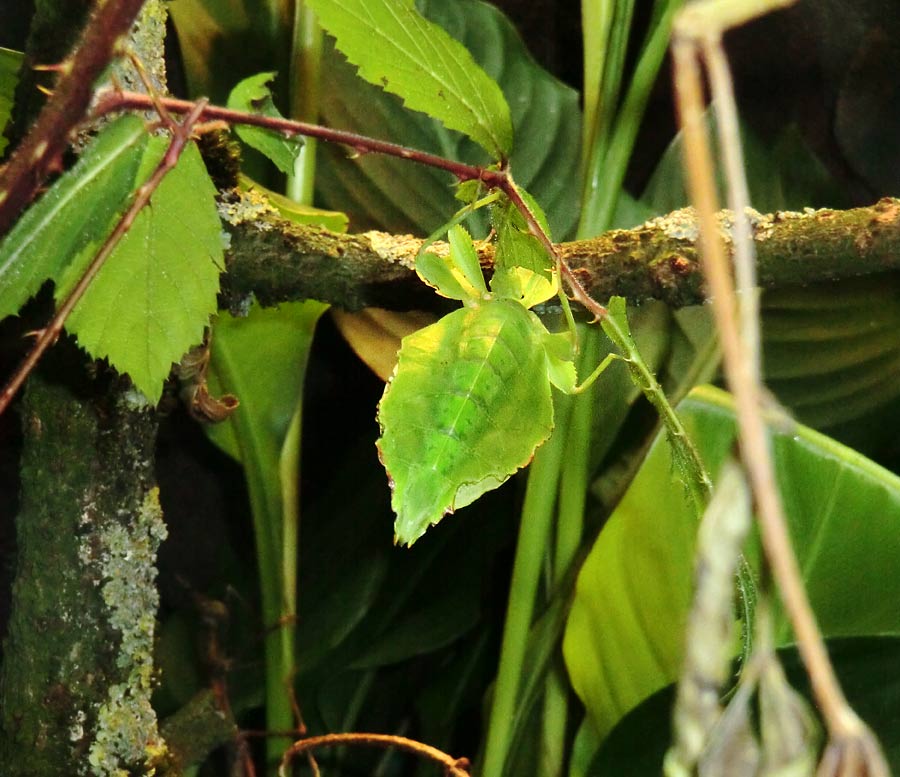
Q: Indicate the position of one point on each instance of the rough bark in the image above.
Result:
(76, 675)
(278, 260)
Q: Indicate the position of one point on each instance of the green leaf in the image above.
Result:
(10, 63)
(74, 216)
(457, 276)
(781, 175)
(382, 193)
(396, 48)
(261, 359)
(453, 417)
(624, 638)
(629, 752)
(253, 95)
(523, 270)
(831, 357)
(154, 295)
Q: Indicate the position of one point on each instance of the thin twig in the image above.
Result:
(845, 728)
(738, 200)
(453, 767)
(39, 153)
(181, 134)
(113, 100)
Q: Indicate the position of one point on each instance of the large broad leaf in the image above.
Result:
(389, 194)
(223, 41)
(624, 637)
(154, 295)
(467, 406)
(261, 358)
(10, 62)
(74, 216)
(832, 352)
(399, 50)
(872, 692)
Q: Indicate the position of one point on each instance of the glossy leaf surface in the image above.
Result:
(253, 95)
(399, 50)
(381, 193)
(74, 216)
(468, 405)
(154, 295)
(625, 632)
(260, 378)
(865, 667)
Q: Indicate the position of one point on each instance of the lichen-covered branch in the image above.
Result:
(278, 260)
(76, 677)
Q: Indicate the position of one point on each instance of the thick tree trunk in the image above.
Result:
(76, 676)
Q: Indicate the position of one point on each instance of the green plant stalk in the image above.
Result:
(534, 534)
(611, 79)
(606, 169)
(303, 97)
(573, 488)
(303, 103)
(596, 19)
(283, 671)
(266, 509)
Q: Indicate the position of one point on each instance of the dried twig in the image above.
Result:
(699, 29)
(453, 767)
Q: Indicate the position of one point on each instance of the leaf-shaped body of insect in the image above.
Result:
(468, 405)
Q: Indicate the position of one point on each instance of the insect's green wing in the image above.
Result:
(468, 405)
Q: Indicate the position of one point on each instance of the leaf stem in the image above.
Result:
(181, 134)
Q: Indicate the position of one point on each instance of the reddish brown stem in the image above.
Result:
(453, 767)
(493, 179)
(40, 151)
(113, 100)
(181, 134)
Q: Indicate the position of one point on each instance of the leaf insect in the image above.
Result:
(470, 399)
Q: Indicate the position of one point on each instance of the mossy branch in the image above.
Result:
(278, 260)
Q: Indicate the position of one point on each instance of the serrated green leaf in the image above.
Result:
(625, 636)
(399, 50)
(453, 418)
(253, 95)
(154, 295)
(74, 216)
(380, 193)
(10, 62)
